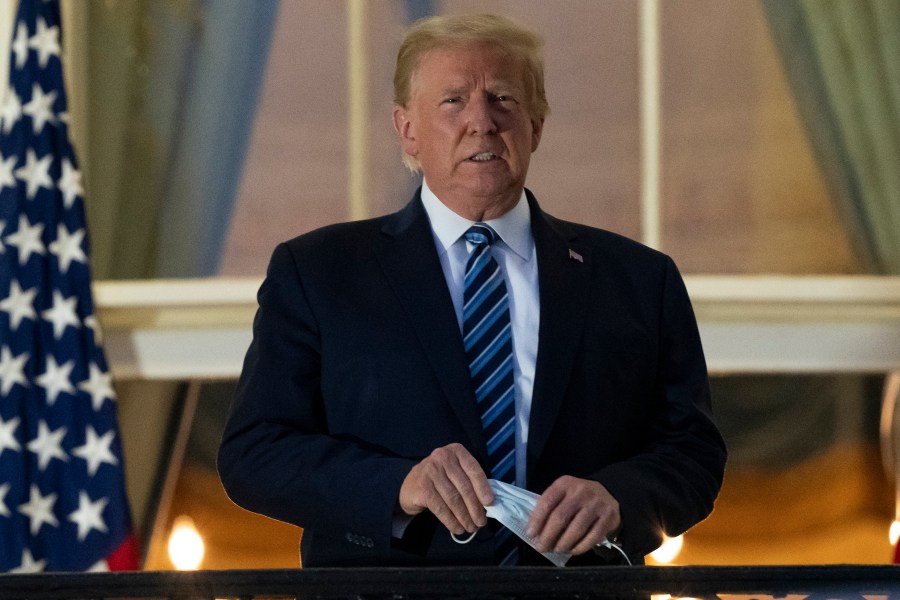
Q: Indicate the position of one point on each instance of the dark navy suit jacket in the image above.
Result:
(357, 371)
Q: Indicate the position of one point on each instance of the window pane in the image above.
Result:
(295, 177)
(741, 190)
(587, 168)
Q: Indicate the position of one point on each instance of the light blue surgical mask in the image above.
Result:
(512, 507)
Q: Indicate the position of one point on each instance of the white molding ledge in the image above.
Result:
(200, 328)
(766, 324)
(176, 329)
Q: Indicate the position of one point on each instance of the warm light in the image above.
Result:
(185, 545)
(894, 534)
(669, 550)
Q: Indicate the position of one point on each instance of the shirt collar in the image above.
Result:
(514, 227)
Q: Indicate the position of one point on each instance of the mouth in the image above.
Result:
(484, 157)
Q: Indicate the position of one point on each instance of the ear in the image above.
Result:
(405, 130)
(537, 128)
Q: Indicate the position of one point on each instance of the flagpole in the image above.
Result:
(156, 542)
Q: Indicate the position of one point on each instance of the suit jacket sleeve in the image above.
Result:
(278, 456)
(671, 481)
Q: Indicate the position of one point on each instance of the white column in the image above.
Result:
(7, 21)
(357, 110)
(650, 123)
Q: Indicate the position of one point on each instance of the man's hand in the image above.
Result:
(451, 484)
(573, 515)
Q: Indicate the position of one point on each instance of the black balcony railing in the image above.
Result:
(720, 583)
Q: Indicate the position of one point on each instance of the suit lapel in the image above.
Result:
(564, 275)
(411, 265)
(410, 262)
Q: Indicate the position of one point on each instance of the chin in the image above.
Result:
(494, 186)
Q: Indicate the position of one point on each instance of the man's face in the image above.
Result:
(469, 126)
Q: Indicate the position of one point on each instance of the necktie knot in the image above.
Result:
(480, 233)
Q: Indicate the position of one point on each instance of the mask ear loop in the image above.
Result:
(465, 541)
(617, 547)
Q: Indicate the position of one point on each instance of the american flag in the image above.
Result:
(62, 492)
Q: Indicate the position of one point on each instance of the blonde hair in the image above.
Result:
(447, 31)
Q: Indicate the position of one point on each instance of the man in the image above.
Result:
(361, 411)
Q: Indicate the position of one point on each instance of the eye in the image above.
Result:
(504, 100)
(502, 104)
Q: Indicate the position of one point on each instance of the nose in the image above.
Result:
(479, 117)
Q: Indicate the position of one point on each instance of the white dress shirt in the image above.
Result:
(515, 254)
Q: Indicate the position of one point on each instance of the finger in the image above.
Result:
(577, 534)
(445, 505)
(447, 501)
(457, 475)
(549, 518)
(420, 492)
(557, 523)
(456, 496)
(594, 537)
(589, 527)
(476, 490)
(545, 505)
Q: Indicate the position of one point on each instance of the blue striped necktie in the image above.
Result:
(487, 335)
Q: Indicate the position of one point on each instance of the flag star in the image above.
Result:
(67, 247)
(101, 566)
(19, 305)
(29, 565)
(98, 385)
(4, 511)
(40, 108)
(61, 520)
(45, 41)
(56, 379)
(12, 370)
(89, 515)
(20, 45)
(70, 183)
(6, 172)
(11, 111)
(96, 450)
(48, 445)
(91, 323)
(62, 313)
(27, 239)
(35, 173)
(8, 439)
(39, 509)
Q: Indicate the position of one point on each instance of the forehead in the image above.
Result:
(465, 65)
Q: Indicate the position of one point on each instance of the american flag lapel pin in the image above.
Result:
(575, 256)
